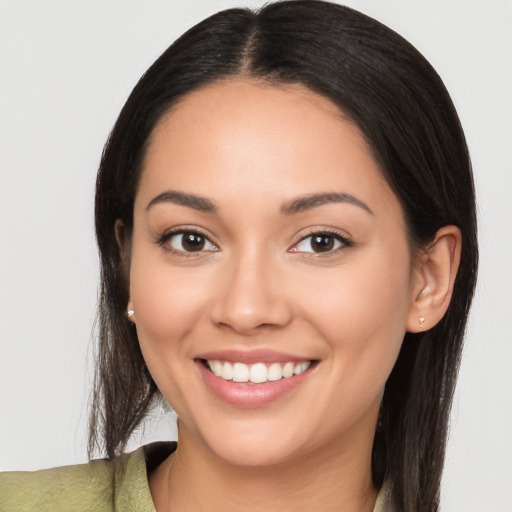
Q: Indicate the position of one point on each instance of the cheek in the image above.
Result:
(168, 306)
(362, 320)
(361, 311)
(167, 301)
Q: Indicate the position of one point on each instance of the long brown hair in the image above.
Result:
(399, 102)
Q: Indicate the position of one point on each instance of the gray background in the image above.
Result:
(65, 70)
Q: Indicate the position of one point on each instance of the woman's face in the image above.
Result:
(267, 246)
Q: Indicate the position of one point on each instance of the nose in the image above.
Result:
(252, 297)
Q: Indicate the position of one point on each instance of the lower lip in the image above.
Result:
(246, 394)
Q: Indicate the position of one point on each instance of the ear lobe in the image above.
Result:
(434, 279)
(130, 312)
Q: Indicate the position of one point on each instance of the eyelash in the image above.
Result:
(336, 236)
(168, 235)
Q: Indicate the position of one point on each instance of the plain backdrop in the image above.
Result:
(66, 68)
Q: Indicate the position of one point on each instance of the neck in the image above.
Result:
(332, 478)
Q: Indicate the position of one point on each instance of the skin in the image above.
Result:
(251, 149)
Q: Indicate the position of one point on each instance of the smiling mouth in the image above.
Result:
(257, 373)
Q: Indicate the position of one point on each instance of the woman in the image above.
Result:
(286, 221)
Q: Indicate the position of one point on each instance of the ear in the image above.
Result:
(124, 245)
(120, 233)
(434, 277)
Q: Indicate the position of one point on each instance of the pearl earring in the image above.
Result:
(129, 311)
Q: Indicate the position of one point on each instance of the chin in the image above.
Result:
(253, 455)
(250, 443)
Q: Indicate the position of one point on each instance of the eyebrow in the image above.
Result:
(199, 203)
(314, 200)
(301, 204)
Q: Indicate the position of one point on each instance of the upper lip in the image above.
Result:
(251, 356)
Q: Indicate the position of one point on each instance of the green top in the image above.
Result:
(99, 486)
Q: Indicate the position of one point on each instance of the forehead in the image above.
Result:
(241, 137)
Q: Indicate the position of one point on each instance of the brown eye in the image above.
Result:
(189, 241)
(321, 242)
(193, 242)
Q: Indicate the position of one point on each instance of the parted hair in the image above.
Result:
(385, 86)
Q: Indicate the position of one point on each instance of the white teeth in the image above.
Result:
(240, 372)
(227, 371)
(216, 367)
(274, 372)
(301, 367)
(256, 373)
(288, 370)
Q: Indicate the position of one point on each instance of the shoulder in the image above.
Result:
(98, 486)
(57, 489)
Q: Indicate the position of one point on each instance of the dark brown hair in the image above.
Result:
(400, 104)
